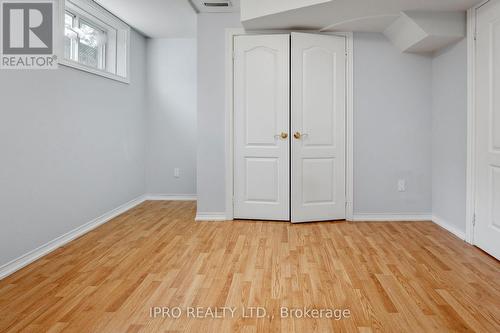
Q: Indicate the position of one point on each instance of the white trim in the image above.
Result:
(73, 64)
(212, 217)
(378, 217)
(350, 127)
(170, 197)
(471, 122)
(448, 227)
(230, 34)
(26, 259)
(471, 59)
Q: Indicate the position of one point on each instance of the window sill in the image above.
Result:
(75, 65)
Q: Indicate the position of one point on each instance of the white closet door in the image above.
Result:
(487, 229)
(261, 126)
(318, 127)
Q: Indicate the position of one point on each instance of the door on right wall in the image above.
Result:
(487, 226)
(318, 108)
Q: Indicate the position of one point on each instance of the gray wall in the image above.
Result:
(72, 148)
(392, 128)
(171, 97)
(449, 139)
(211, 104)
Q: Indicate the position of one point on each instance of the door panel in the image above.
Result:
(261, 115)
(261, 92)
(487, 228)
(262, 180)
(318, 122)
(319, 187)
(318, 96)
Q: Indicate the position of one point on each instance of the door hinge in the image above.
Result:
(474, 220)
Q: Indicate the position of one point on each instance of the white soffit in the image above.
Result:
(156, 18)
(364, 24)
(426, 32)
(320, 14)
(251, 9)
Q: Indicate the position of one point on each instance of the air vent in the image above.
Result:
(216, 4)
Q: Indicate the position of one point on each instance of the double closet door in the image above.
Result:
(289, 127)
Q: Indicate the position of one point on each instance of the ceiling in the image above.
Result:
(156, 18)
(163, 18)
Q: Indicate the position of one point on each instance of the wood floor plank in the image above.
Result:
(391, 277)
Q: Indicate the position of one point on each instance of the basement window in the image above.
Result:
(95, 40)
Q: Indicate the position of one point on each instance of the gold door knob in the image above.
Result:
(284, 135)
(297, 135)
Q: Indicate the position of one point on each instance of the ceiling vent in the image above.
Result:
(216, 6)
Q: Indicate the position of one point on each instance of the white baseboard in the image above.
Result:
(210, 217)
(26, 259)
(391, 217)
(171, 197)
(448, 226)
(356, 217)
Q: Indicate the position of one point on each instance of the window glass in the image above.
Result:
(91, 45)
(84, 42)
(69, 36)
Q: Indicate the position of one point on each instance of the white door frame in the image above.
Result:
(229, 111)
(471, 123)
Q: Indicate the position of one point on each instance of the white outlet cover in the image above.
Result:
(402, 185)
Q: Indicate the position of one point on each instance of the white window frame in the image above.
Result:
(117, 49)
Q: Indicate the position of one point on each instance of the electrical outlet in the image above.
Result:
(402, 185)
(177, 173)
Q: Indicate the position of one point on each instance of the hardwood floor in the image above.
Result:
(392, 277)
